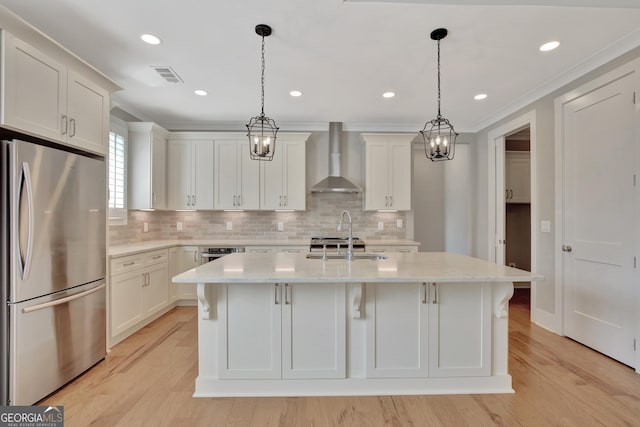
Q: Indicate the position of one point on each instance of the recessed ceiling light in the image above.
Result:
(200, 92)
(480, 96)
(388, 94)
(295, 93)
(549, 46)
(150, 38)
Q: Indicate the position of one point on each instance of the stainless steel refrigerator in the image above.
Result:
(53, 268)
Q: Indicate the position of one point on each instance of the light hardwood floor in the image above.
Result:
(148, 379)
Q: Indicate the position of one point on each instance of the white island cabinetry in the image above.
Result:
(281, 331)
(413, 323)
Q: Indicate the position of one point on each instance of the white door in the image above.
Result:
(188, 259)
(400, 176)
(179, 175)
(202, 184)
(249, 335)
(154, 291)
(397, 330)
(599, 220)
(271, 196)
(499, 256)
(226, 196)
(294, 181)
(88, 109)
(377, 176)
(35, 98)
(313, 330)
(460, 330)
(248, 184)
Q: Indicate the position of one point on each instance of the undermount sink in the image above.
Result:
(356, 256)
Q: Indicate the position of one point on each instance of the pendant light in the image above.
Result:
(262, 130)
(438, 134)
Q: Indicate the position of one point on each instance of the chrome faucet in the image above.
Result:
(350, 247)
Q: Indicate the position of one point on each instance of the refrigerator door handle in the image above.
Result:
(62, 300)
(26, 259)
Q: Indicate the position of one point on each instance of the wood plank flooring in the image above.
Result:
(148, 379)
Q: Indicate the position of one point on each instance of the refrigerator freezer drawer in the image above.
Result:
(54, 339)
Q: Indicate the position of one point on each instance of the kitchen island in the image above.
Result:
(412, 323)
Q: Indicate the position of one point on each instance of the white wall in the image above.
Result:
(545, 207)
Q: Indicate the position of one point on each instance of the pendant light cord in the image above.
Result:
(439, 115)
(262, 78)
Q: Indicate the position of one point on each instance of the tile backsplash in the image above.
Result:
(320, 219)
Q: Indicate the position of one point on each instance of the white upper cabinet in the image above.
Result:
(44, 98)
(283, 180)
(237, 177)
(387, 171)
(190, 174)
(517, 177)
(147, 176)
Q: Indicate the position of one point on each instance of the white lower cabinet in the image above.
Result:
(281, 331)
(138, 291)
(183, 258)
(428, 330)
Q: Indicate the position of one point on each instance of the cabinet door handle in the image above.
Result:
(234, 200)
(390, 201)
(127, 264)
(239, 200)
(195, 256)
(435, 293)
(386, 201)
(72, 122)
(275, 294)
(511, 194)
(424, 295)
(286, 294)
(64, 124)
(156, 257)
(193, 200)
(285, 200)
(188, 200)
(280, 203)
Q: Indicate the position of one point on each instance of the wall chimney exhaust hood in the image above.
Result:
(335, 182)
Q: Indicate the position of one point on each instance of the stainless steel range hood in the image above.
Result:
(335, 182)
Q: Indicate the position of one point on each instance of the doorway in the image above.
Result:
(512, 193)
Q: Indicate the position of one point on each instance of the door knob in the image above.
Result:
(566, 248)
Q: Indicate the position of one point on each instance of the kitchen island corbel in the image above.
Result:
(416, 323)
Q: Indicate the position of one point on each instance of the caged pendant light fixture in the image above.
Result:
(438, 134)
(262, 130)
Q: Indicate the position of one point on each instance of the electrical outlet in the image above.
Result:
(179, 225)
(399, 223)
(229, 225)
(545, 226)
(280, 226)
(145, 227)
(380, 225)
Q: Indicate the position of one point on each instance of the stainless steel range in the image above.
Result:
(335, 244)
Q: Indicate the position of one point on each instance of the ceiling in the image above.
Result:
(342, 55)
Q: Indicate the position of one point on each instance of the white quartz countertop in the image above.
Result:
(134, 248)
(401, 267)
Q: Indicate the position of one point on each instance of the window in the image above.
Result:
(117, 172)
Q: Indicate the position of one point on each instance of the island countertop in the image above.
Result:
(398, 267)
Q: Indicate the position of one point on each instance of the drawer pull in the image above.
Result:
(127, 264)
(157, 256)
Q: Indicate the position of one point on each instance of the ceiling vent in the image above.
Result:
(168, 74)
